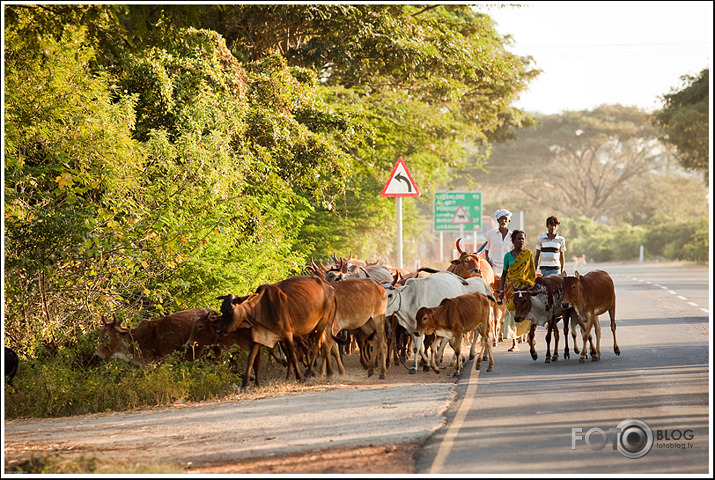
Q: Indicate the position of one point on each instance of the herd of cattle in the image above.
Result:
(384, 312)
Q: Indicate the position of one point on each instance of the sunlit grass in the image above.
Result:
(62, 384)
(59, 464)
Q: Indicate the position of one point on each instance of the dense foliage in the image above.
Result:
(150, 167)
(685, 122)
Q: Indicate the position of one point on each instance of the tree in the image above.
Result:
(578, 163)
(424, 84)
(685, 122)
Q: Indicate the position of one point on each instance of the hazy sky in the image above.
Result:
(593, 53)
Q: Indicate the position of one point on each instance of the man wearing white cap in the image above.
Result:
(499, 242)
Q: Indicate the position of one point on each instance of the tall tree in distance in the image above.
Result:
(685, 122)
(578, 163)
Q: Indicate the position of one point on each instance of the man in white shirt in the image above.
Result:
(498, 242)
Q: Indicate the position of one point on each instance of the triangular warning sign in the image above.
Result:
(400, 183)
(460, 217)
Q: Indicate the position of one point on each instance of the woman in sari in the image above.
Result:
(519, 272)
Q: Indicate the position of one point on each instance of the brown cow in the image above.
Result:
(148, 341)
(455, 317)
(280, 311)
(361, 304)
(591, 295)
(472, 265)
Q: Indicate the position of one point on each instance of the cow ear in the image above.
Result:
(222, 297)
(455, 262)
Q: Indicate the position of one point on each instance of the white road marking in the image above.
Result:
(446, 446)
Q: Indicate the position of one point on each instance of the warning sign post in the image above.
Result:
(400, 184)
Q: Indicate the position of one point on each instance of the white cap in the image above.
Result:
(502, 213)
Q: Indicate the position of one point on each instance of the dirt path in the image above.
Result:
(350, 424)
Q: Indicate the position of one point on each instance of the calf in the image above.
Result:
(591, 295)
(543, 305)
(453, 318)
(148, 341)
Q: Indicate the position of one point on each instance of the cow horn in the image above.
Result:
(104, 321)
(114, 323)
(459, 249)
(335, 259)
(325, 269)
(396, 278)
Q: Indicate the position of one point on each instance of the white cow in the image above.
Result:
(404, 301)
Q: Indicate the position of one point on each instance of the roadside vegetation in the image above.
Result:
(158, 156)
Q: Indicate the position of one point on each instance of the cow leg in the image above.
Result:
(612, 315)
(555, 328)
(494, 326)
(485, 344)
(326, 365)
(371, 355)
(418, 342)
(256, 365)
(597, 329)
(458, 354)
(490, 354)
(316, 347)
(443, 341)
(292, 360)
(429, 342)
(473, 347)
(252, 357)
(566, 336)
(532, 339)
(382, 348)
(335, 350)
(574, 324)
(432, 362)
(587, 338)
(549, 328)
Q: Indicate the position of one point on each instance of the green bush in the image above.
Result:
(684, 240)
(62, 384)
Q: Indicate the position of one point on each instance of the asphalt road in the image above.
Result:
(529, 417)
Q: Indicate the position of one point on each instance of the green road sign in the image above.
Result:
(457, 210)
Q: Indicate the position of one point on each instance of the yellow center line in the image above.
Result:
(446, 446)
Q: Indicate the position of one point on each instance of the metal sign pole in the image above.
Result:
(398, 205)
